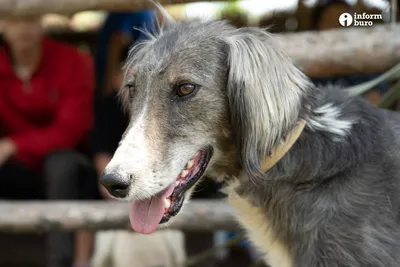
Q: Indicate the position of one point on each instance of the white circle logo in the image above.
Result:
(345, 19)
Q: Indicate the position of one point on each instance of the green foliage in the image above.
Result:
(232, 10)
(390, 75)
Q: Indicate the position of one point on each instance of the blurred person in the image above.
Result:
(117, 34)
(109, 124)
(119, 31)
(46, 95)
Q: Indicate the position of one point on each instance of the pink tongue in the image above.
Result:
(145, 215)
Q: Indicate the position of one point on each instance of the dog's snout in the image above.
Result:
(116, 184)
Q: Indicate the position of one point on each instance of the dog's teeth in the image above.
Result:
(167, 203)
(177, 183)
(184, 173)
(190, 164)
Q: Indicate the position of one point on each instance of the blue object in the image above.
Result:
(124, 22)
(230, 234)
(244, 243)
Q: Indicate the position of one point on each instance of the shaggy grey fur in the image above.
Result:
(334, 197)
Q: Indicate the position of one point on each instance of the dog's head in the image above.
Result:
(202, 97)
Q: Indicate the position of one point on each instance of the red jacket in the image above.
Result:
(53, 110)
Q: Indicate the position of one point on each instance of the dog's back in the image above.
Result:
(394, 121)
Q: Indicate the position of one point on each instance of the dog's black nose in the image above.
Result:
(115, 184)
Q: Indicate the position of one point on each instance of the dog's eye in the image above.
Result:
(185, 89)
(131, 89)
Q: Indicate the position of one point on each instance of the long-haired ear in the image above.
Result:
(265, 92)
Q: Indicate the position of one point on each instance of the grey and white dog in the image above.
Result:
(208, 98)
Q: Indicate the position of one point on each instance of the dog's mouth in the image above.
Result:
(146, 215)
(194, 170)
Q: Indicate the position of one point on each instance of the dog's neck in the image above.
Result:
(278, 152)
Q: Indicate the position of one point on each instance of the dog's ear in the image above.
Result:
(265, 92)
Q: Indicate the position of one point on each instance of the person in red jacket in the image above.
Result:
(46, 106)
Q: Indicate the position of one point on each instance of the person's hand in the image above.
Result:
(7, 150)
(100, 161)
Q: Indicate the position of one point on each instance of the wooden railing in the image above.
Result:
(47, 216)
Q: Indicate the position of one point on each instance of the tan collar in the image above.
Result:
(284, 147)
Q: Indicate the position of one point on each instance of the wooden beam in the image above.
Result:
(46, 216)
(344, 51)
(17, 8)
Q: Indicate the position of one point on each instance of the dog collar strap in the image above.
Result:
(283, 148)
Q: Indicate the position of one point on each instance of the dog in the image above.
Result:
(313, 173)
(122, 248)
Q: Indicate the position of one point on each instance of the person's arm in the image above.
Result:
(118, 40)
(123, 37)
(7, 150)
(73, 119)
(109, 124)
